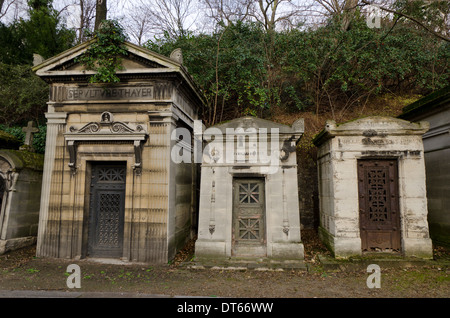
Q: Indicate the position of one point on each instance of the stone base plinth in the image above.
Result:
(16, 243)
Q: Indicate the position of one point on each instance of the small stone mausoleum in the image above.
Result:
(372, 187)
(249, 192)
(110, 188)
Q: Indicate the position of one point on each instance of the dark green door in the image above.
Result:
(107, 206)
(249, 230)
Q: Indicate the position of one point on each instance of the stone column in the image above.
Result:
(55, 123)
(172, 199)
(161, 180)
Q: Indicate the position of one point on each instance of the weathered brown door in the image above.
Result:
(249, 233)
(379, 205)
(107, 205)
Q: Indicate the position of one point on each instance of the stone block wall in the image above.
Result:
(435, 109)
(21, 172)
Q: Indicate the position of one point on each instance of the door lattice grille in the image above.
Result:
(248, 193)
(249, 229)
(377, 191)
(111, 175)
(109, 220)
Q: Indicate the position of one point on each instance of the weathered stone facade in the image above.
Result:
(248, 205)
(91, 129)
(20, 185)
(395, 187)
(435, 109)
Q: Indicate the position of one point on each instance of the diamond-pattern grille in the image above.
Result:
(111, 175)
(377, 190)
(108, 219)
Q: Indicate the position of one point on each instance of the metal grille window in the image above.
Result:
(249, 229)
(248, 193)
(378, 201)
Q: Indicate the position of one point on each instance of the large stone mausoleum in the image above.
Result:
(110, 188)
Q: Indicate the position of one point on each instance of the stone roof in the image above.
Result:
(254, 122)
(8, 141)
(430, 103)
(369, 126)
(23, 159)
(138, 63)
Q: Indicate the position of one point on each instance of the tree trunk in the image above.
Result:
(100, 13)
(348, 13)
(82, 26)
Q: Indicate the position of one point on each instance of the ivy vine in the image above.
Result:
(105, 54)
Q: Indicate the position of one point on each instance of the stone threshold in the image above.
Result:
(16, 243)
(243, 264)
(327, 263)
(383, 260)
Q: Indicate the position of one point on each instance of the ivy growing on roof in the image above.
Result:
(105, 54)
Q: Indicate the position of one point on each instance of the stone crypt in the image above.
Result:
(249, 192)
(20, 191)
(372, 187)
(110, 188)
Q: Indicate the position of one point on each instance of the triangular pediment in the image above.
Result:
(129, 62)
(138, 64)
(137, 60)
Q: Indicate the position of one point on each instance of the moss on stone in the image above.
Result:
(426, 103)
(28, 159)
(8, 141)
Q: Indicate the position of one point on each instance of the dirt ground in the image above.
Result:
(21, 270)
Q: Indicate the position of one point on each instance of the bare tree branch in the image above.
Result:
(228, 11)
(139, 23)
(87, 16)
(4, 9)
(409, 17)
(172, 16)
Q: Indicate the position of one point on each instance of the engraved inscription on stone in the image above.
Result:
(117, 93)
